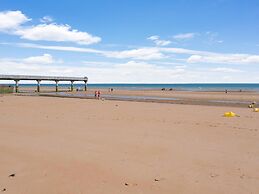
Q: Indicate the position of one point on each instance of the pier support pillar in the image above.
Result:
(72, 86)
(56, 85)
(85, 85)
(38, 85)
(16, 86)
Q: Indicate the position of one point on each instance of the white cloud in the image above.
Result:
(57, 33)
(40, 60)
(43, 59)
(158, 41)
(184, 36)
(11, 23)
(38, 65)
(46, 19)
(11, 20)
(129, 72)
(153, 37)
(226, 70)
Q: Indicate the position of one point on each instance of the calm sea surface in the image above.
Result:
(189, 87)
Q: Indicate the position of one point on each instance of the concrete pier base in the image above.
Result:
(38, 85)
(85, 85)
(16, 86)
(56, 85)
(72, 86)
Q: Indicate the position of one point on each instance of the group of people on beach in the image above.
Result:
(97, 93)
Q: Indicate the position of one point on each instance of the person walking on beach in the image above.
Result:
(95, 94)
(99, 94)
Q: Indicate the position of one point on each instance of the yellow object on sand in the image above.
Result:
(230, 114)
(256, 109)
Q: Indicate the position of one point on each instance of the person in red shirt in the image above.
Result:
(99, 94)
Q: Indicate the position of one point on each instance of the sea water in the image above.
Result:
(184, 87)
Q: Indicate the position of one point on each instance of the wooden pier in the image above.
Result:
(56, 79)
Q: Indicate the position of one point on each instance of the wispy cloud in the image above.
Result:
(99, 63)
(156, 53)
(58, 48)
(141, 53)
(46, 19)
(224, 58)
(226, 70)
(184, 36)
(213, 38)
(158, 41)
(148, 53)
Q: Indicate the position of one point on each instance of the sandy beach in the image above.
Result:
(65, 145)
(129, 97)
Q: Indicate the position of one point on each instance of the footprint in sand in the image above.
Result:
(159, 179)
(213, 175)
(242, 176)
(130, 184)
(11, 175)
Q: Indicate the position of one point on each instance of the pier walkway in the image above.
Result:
(57, 79)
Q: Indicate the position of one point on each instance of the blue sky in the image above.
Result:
(181, 41)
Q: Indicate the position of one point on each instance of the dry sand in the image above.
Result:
(69, 146)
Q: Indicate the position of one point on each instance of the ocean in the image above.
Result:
(184, 87)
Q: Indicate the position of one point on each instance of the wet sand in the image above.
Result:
(67, 145)
(209, 98)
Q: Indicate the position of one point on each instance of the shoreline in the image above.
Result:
(232, 99)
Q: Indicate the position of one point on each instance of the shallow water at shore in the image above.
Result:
(195, 98)
(178, 87)
(107, 96)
